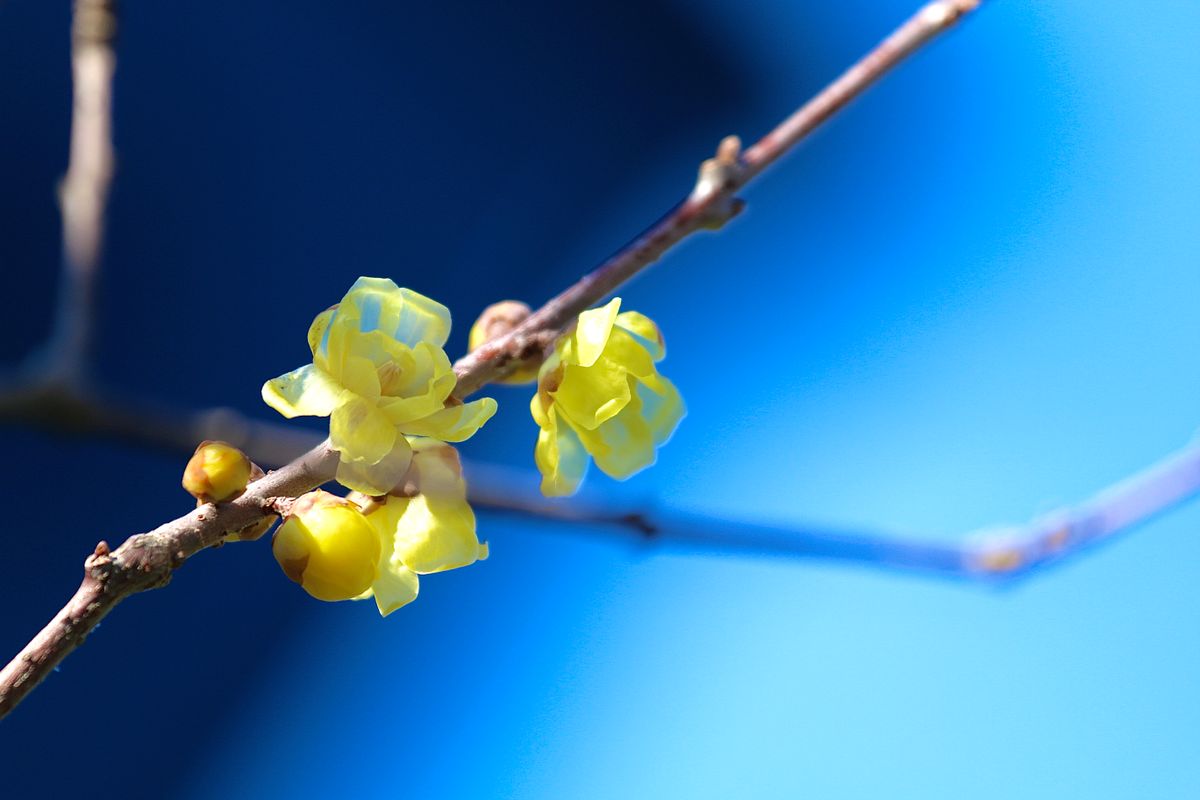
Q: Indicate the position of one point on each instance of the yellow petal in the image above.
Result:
(592, 330)
(662, 406)
(404, 315)
(560, 457)
(359, 376)
(316, 331)
(643, 328)
(380, 477)
(304, 392)
(437, 469)
(453, 424)
(589, 396)
(361, 432)
(423, 390)
(395, 586)
(436, 534)
(623, 445)
(629, 351)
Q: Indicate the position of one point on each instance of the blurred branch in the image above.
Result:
(146, 561)
(84, 190)
(1000, 553)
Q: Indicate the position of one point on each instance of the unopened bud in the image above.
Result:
(217, 472)
(495, 321)
(326, 545)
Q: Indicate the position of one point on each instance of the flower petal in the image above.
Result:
(316, 331)
(592, 395)
(424, 389)
(395, 586)
(405, 315)
(304, 392)
(436, 534)
(560, 457)
(662, 406)
(361, 432)
(453, 424)
(645, 331)
(592, 330)
(437, 469)
(378, 478)
(359, 376)
(623, 445)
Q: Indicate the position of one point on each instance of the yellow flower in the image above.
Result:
(379, 372)
(599, 394)
(326, 545)
(429, 529)
(337, 550)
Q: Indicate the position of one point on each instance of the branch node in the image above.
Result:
(718, 179)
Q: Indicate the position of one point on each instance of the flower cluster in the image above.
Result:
(600, 394)
(380, 374)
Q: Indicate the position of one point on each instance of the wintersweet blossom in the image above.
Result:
(379, 372)
(361, 547)
(600, 394)
(425, 526)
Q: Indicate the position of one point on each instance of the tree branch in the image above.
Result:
(84, 190)
(710, 205)
(146, 561)
(996, 554)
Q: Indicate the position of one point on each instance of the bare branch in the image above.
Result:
(997, 554)
(146, 561)
(710, 205)
(84, 190)
(1001, 553)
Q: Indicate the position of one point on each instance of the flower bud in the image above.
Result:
(216, 472)
(326, 545)
(495, 321)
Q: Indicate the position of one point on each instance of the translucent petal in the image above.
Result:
(304, 392)
(359, 376)
(437, 469)
(316, 331)
(645, 331)
(361, 432)
(623, 445)
(629, 351)
(395, 586)
(590, 396)
(405, 315)
(560, 457)
(425, 390)
(539, 406)
(436, 534)
(592, 330)
(453, 424)
(381, 477)
(662, 406)
(335, 344)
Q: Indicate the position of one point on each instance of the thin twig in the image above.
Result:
(84, 190)
(710, 205)
(998, 554)
(146, 561)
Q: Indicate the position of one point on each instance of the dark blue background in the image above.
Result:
(969, 299)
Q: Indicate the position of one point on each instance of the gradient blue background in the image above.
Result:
(970, 299)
